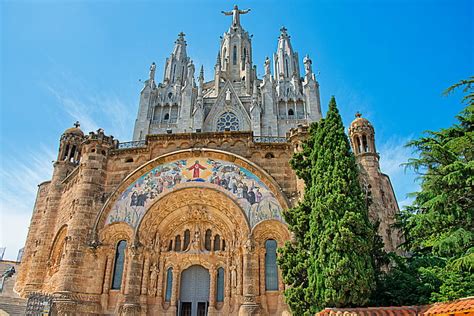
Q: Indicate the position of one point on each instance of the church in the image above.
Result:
(186, 219)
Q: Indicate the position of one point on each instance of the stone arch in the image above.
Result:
(184, 206)
(57, 249)
(115, 232)
(278, 199)
(270, 229)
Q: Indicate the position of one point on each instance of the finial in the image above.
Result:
(358, 114)
(283, 30)
(77, 125)
(201, 73)
(181, 36)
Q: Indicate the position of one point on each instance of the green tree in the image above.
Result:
(329, 263)
(438, 226)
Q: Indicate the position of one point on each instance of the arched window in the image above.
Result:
(170, 95)
(73, 152)
(170, 245)
(174, 72)
(169, 284)
(167, 117)
(118, 265)
(207, 240)
(177, 243)
(358, 145)
(223, 244)
(291, 112)
(365, 144)
(234, 55)
(187, 237)
(286, 65)
(220, 285)
(228, 121)
(271, 270)
(217, 243)
(66, 152)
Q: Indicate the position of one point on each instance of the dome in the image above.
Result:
(360, 122)
(74, 130)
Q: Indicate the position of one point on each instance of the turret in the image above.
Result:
(70, 145)
(362, 136)
(383, 206)
(311, 92)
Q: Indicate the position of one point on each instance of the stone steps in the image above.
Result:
(13, 306)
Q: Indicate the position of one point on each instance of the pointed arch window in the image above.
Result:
(291, 112)
(169, 284)
(271, 270)
(287, 69)
(119, 265)
(220, 285)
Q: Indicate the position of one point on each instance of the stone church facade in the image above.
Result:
(186, 219)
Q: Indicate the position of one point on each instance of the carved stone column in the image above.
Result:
(262, 290)
(106, 283)
(212, 290)
(145, 274)
(175, 289)
(131, 305)
(249, 307)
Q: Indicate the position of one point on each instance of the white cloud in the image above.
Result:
(20, 174)
(393, 154)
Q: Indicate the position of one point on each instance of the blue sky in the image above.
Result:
(67, 60)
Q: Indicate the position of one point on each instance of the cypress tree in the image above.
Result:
(329, 262)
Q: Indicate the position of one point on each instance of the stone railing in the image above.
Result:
(269, 139)
(133, 144)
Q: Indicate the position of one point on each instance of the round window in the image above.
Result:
(228, 122)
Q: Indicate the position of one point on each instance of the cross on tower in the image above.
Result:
(76, 125)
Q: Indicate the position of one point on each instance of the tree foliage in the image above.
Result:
(329, 262)
(438, 226)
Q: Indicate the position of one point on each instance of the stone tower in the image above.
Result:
(383, 206)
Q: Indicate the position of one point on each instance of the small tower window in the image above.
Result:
(169, 284)
(286, 65)
(234, 55)
(365, 144)
(66, 152)
(170, 245)
(166, 117)
(174, 72)
(118, 265)
(291, 112)
(170, 95)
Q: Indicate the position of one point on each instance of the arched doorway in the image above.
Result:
(194, 291)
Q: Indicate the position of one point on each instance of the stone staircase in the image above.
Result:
(10, 302)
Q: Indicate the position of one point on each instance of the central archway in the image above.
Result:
(194, 291)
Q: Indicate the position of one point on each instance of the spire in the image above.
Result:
(176, 64)
(201, 81)
(286, 60)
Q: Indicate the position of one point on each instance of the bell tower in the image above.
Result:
(383, 205)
